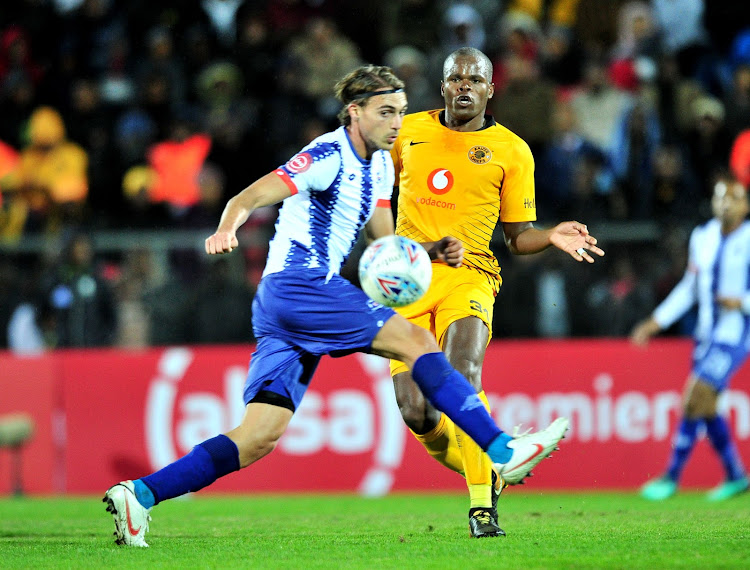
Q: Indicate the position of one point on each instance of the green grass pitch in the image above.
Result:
(545, 530)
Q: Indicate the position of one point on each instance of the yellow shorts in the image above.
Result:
(455, 293)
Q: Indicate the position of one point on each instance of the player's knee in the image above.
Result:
(413, 416)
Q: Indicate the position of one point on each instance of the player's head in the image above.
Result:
(374, 104)
(467, 83)
(730, 202)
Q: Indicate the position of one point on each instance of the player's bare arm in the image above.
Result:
(380, 224)
(266, 191)
(522, 238)
(449, 250)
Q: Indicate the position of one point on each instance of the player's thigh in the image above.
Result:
(464, 343)
(401, 340)
(470, 293)
(420, 314)
(700, 398)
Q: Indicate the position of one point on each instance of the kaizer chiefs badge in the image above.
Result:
(480, 154)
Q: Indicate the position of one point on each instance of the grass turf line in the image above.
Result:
(545, 530)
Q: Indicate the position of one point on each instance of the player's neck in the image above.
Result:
(729, 226)
(476, 123)
(358, 142)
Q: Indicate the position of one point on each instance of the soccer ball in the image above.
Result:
(395, 271)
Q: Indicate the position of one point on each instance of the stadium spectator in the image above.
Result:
(176, 163)
(88, 121)
(717, 281)
(319, 56)
(598, 106)
(636, 32)
(676, 193)
(525, 103)
(739, 157)
(410, 65)
(162, 60)
(708, 142)
(234, 122)
(221, 306)
(634, 142)
(737, 100)
(573, 177)
(18, 98)
(433, 146)
(80, 302)
(50, 186)
(681, 31)
(616, 302)
(139, 210)
(304, 309)
(16, 59)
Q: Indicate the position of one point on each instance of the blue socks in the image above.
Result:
(452, 394)
(684, 441)
(498, 450)
(718, 432)
(206, 462)
(143, 494)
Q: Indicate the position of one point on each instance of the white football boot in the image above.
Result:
(131, 518)
(529, 450)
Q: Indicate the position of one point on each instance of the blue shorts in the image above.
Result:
(716, 363)
(297, 318)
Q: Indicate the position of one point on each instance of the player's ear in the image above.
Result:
(442, 88)
(354, 111)
(492, 90)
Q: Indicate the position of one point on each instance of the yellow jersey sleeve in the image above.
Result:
(461, 184)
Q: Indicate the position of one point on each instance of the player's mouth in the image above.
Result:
(464, 101)
(392, 139)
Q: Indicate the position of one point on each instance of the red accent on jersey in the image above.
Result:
(287, 180)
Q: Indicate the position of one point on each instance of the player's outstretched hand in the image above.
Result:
(450, 250)
(221, 242)
(574, 239)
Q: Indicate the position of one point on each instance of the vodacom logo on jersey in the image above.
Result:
(440, 181)
(345, 421)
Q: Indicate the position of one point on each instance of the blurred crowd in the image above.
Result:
(149, 115)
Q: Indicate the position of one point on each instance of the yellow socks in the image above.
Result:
(457, 451)
(477, 466)
(440, 443)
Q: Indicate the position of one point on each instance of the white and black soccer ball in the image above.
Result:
(395, 271)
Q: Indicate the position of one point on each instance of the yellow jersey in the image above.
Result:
(461, 183)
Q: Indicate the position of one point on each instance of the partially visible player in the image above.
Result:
(459, 173)
(338, 185)
(717, 279)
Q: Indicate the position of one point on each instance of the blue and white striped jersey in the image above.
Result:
(718, 266)
(334, 194)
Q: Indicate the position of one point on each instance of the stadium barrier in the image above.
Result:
(106, 415)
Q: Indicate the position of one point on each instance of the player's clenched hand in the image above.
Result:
(451, 251)
(574, 239)
(730, 303)
(221, 242)
(643, 331)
